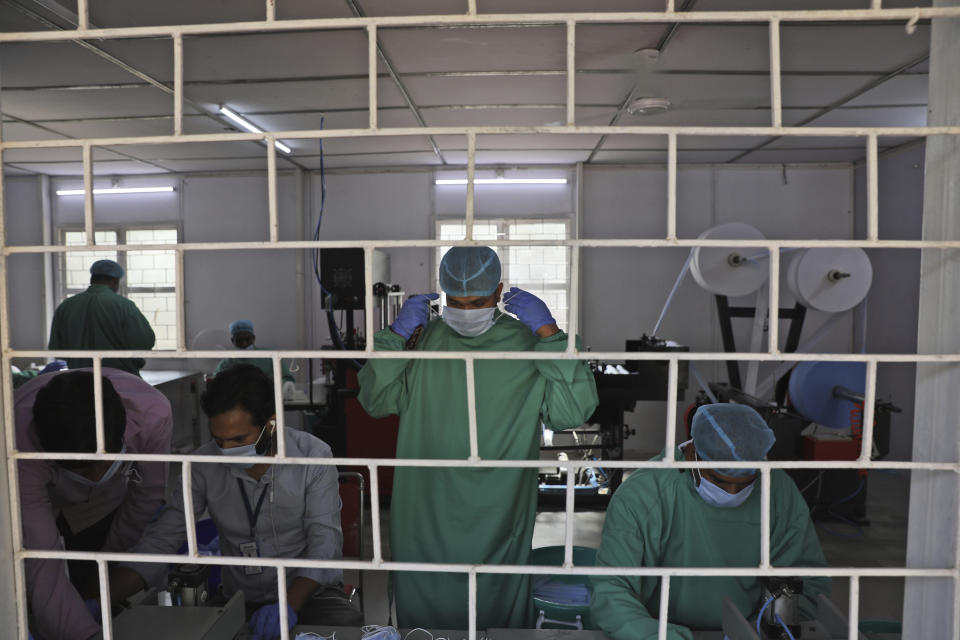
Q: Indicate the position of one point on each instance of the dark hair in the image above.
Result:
(65, 420)
(243, 386)
(104, 279)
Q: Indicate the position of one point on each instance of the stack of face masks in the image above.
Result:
(375, 632)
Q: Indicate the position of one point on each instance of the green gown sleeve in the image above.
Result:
(137, 328)
(794, 542)
(383, 384)
(571, 392)
(618, 601)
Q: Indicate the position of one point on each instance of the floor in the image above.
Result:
(881, 543)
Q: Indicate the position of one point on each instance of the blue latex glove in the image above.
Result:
(265, 621)
(56, 365)
(93, 606)
(414, 313)
(529, 309)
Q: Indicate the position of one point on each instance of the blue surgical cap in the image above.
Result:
(240, 325)
(107, 268)
(731, 432)
(469, 271)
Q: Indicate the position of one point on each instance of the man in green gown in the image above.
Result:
(101, 319)
(702, 518)
(242, 337)
(462, 515)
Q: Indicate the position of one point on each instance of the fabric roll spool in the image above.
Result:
(821, 391)
(729, 271)
(829, 279)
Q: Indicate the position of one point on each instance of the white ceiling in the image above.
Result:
(834, 75)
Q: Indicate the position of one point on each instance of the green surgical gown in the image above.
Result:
(264, 364)
(100, 319)
(470, 515)
(656, 518)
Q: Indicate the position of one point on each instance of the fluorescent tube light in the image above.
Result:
(249, 126)
(504, 181)
(113, 190)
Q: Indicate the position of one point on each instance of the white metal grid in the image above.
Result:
(176, 33)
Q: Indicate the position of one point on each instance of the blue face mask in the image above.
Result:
(249, 450)
(717, 497)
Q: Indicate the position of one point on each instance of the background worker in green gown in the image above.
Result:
(101, 319)
(470, 515)
(243, 337)
(701, 518)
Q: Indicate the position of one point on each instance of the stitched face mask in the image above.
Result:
(469, 322)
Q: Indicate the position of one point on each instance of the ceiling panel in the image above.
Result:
(43, 64)
(460, 90)
(276, 55)
(13, 20)
(797, 5)
(373, 145)
(375, 160)
(565, 6)
(116, 128)
(134, 13)
(764, 156)
(300, 9)
(870, 47)
(253, 98)
(615, 46)
(874, 117)
(220, 164)
(519, 157)
(904, 89)
(482, 49)
(83, 103)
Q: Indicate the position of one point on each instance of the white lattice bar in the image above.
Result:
(507, 569)
(310, 134)
(315, 24)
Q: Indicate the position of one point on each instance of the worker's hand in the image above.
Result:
(414, 313)
(93, 606)
(529, 309)
(265, 621)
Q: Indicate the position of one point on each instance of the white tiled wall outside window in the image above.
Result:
(150, 279)
(542, 270)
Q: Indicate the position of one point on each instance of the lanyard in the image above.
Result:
(252, 515)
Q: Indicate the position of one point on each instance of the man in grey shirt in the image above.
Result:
(260, 510)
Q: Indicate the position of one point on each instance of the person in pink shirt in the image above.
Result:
(82, 505)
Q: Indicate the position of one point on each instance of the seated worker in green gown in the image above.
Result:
(701, 518)
(465, 515)
(242, 337)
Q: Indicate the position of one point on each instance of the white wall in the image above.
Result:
(23, 212)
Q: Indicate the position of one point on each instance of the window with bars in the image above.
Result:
(150, 279)
(542, 270)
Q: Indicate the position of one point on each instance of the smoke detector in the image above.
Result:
(647, 106)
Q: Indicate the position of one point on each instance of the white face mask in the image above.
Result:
(469, 322)
(87, 482)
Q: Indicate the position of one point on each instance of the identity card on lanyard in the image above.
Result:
(250, 549)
